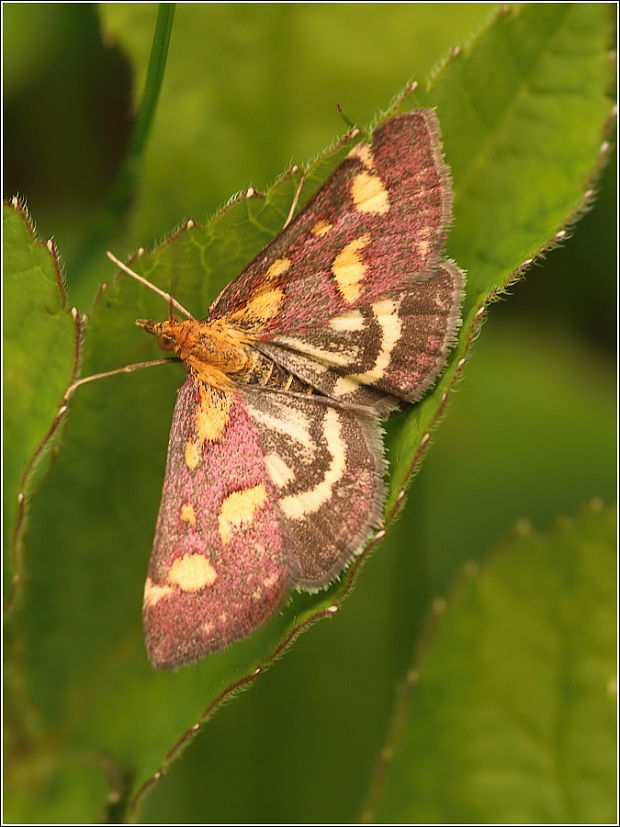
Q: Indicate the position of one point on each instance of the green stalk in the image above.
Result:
(126, 181)
(111, 214)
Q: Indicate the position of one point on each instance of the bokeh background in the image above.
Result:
(530, 433)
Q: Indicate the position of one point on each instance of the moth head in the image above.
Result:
(164, 332)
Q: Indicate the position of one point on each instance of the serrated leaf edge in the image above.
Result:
(24, 497)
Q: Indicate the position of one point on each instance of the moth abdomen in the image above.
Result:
(266, 373)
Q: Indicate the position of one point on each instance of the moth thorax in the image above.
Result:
(220, 345)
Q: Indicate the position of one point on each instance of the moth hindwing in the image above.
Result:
(274, 478)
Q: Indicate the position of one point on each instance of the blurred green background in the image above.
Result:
(530, 434)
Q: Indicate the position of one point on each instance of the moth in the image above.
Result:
(275, 472)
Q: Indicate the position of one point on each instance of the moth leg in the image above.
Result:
(125, 369)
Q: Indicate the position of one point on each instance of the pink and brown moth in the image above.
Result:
(274, 478)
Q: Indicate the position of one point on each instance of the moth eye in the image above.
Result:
(165, 342)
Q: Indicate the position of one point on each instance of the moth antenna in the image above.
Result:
(172, 317)
(172, 301)
(295, 201)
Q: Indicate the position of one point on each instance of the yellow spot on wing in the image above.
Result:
(349, 270)
(238, 509)
(153, 593)
(344, 385)
(297, 506)
(369, 194)
(321, 228)
(279, 266)
(279, 472)
(290, 422)
(264, 306)
(423, 247)
(341, 358)
(191, 572)
(211, 415)
(364, 153)
(386, 313)
(188, 514)
(351, 320)
(192, 455)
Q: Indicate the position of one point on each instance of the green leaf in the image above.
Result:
(84, 663)
(509, 716)
(41, 340)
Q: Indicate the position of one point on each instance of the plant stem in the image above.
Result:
(119, 198)
(125, 183)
